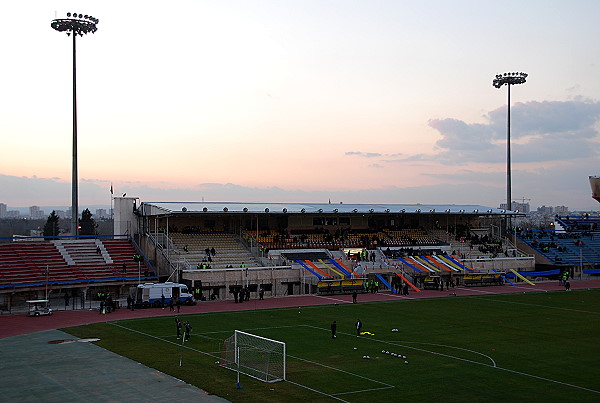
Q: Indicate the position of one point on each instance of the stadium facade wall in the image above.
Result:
(487, 264)
(125, 220)
(282, 280)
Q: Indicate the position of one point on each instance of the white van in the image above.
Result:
(151, 294)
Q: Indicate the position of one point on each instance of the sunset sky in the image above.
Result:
(302, 101)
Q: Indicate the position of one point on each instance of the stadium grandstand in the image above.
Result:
(219, 249)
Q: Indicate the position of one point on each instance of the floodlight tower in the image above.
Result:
(508, 79)
(76, 24)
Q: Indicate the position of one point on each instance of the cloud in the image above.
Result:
(540, 132)
(371, 155)
(555, 146)
(458, 135)
(547, 131)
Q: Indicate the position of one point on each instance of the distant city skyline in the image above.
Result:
(103, 212)
(264, 100)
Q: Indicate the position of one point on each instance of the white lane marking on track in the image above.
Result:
(474, 290)
(333, 299)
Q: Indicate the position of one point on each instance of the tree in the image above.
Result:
(51, 228)
(87, 223)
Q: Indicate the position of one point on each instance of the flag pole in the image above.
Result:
(111, 204)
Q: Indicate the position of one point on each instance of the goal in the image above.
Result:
(255, 356)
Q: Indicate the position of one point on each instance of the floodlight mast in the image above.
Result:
(508, 79)
(76, 24)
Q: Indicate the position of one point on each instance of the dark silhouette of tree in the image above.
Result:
(87, 223)
(51, 228)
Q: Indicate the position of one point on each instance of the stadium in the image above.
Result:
(302, 301)
(258, 263)
(285, 249)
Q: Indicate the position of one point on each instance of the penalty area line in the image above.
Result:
(387, 385)
(316, 391)
(365, 390)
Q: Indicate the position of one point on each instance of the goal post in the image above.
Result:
(255, 356)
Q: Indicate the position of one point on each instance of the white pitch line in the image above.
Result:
(454, 347)
(341, 370)
(166, 341)
(317, 391)
(253, 328)
(540, 306)
(387, 386)
(496, 367)
(364, 390)
(425, 351)
(549, 380)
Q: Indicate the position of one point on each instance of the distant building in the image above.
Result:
(521, 207)
(35, 212)
(561, 210)
(62, 214)
(545, 210)
(2, 210)
(13, 214)
(101, 213)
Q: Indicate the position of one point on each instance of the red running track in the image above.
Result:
(16, 324)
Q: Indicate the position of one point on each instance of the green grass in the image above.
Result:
(512, 347)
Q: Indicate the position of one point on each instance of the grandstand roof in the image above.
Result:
(160, 208)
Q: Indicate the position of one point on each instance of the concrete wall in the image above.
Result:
(501, 264)
(125, 220)
(278, 276)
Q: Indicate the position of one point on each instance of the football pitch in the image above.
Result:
(534, 346)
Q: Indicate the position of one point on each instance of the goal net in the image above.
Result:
(255, 356)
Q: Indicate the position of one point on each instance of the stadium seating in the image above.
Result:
(349, 239)
(25, 263)
(410, 237)
(229, 251)
(577, 242)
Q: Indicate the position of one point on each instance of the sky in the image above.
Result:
(364, 101)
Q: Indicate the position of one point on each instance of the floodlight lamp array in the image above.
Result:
(78, 24)
(509, 79)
